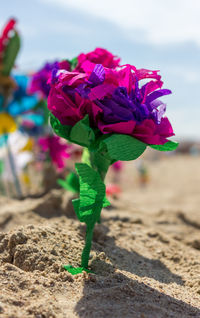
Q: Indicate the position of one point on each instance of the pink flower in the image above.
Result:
(56, 149)
(98, 56)
(117, 166)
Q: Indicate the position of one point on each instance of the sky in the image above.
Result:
(154, 34)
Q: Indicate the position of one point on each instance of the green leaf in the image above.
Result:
(59, 129)
(92, 194)
(10, 55)
(81, 133)
(62, 183)
(73, 63)
(168, 146)
(123, 147)
(76, 270)
(71, 183)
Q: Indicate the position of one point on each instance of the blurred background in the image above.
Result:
(154, 34)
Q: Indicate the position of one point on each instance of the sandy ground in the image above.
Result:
(145, 255)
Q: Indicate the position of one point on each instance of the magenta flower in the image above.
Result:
(56, 149)
(98, 56)
(117, 166)
(113, 100)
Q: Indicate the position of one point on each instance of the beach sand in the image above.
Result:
(145, 255)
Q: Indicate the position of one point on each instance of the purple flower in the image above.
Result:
(39, 82)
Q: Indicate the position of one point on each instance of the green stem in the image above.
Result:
(101, 165)
(98, 162)
(88, 243)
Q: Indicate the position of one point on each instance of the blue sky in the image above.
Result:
(155, 34)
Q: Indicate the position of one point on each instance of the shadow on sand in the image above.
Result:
(111, 294)
(118, 296)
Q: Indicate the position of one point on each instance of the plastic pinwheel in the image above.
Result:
(9, 48)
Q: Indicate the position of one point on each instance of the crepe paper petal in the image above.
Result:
(82, 134)
(26, 179)
(157, 94)
(87, 67)
(22, 82)
(64, 65)
(7, 124)
(10, 54)
(123, 127)
(124, 147)
(100, 91)
(56, 150)
(62, 107)
(33, 118)
(17, 107)
(71, 183)
(40, 81)
(159, 112)
(5, 34)
(3, 140)
(59, 129)
(97, 76)
(168, 146)
(98, 56)
(151, 133)
(17, 140)
(144, 73)
(29, 145)
(150, 87)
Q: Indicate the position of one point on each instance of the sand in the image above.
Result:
(145, 256)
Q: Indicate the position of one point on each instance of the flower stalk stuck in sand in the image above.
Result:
(101, 106)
